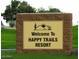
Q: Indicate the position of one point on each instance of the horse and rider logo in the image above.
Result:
(41, 27)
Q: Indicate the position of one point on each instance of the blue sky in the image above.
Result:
(66, 6)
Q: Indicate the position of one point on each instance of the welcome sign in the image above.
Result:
(45, 31)
(43, 35)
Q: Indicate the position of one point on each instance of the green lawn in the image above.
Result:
(8, 40)
(8, 37)
(75, 36)
(35, 55)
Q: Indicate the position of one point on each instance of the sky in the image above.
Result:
(66, 6)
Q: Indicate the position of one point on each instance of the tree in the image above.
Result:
(16, 7)
(21, 7)
(25, 8)
(54, 10)
(10, 11)
(42, 10)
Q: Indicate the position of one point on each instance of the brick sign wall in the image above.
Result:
(44, 32)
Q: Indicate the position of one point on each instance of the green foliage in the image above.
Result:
(26, 8)
(54, 10)
(16, 7)
(42, 10)
(22, 7)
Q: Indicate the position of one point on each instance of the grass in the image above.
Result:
(8, 40)
(34, 55)
(8, 37)
(75, 36)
